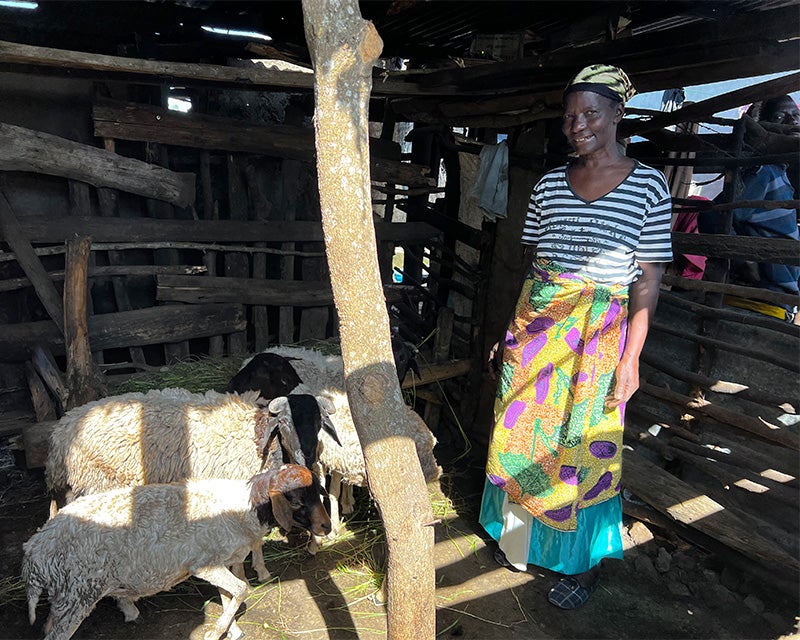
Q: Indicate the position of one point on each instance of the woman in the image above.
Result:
(599, 229)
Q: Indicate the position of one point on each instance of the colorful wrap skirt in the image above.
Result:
(556, 448)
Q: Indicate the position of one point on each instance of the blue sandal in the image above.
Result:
(568, 593)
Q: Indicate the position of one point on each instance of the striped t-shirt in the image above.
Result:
(605, 239)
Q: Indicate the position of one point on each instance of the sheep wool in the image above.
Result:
(158, 436)
(134, 542)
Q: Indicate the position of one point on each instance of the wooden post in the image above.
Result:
(216, 344)
(108, 200)
(84, 380)
(261, 210)
(236, 264)
(441, 352)
(343, 50)
(290, 173)
(45, 366)
(43, 406)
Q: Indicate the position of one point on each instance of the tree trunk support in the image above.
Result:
(343, 49)
(84, 380)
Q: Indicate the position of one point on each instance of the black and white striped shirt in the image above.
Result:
(605, 239)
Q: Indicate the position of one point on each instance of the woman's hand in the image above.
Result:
(626, 384)
(493, 362)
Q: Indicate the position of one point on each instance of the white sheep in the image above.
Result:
(159, 436)
(323, 376)
(134, 542)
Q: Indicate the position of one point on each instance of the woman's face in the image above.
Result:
(590, 121)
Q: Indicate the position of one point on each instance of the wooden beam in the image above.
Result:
(114, 271)
(717, 386)
(778, 250)
(767, 25)
(430, 373)
(272, 292)
(790, 364)
(84, 380)
(48, 229)
(140, 327)
(28, 150)
(751, 293)
(757, 426)
(698, 110)
(144, 123)
(682, 502)
(757, 320)
(17, 238)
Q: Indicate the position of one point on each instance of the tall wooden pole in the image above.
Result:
(343, 49)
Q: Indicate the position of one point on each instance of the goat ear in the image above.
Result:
(260, 489)
(327, 427)
(282, 511)
(326, 405)
(279, 404)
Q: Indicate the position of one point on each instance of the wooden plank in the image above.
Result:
(17, 238)
(44, 364)
(751, 293)
(776, 24)
(237, 265)
(115, 272)
(698, 110)
(140, 327)
(46, 229)
(216, 344)
(441, 352)
(146, 123)
(430, 373)
(717, 386)
(43, 406)
(84, 381)
(272, 292)
(756, 426)
(778, 250)
(752, 319)
(28, 150)
(682, 502)
(790, 364)
(261, 208)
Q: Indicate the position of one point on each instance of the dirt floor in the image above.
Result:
(663, 589)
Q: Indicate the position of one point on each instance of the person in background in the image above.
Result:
(770, 182)
(689, 266)
(599, 229)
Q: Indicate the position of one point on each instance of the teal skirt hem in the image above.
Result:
(597, 535)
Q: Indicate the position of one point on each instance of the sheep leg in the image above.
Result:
(234, 632)
(237, 569)
(334, 492)
(128, 608)
(257, 562)
(62, 627)
(347, 501)
(223, 579)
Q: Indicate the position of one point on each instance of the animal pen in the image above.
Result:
(137, 241)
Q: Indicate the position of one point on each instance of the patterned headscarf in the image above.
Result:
(608, 81)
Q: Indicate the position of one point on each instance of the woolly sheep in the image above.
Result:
(159, 436)
(134, 542)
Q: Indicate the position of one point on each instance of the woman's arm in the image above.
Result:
(641, 308)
